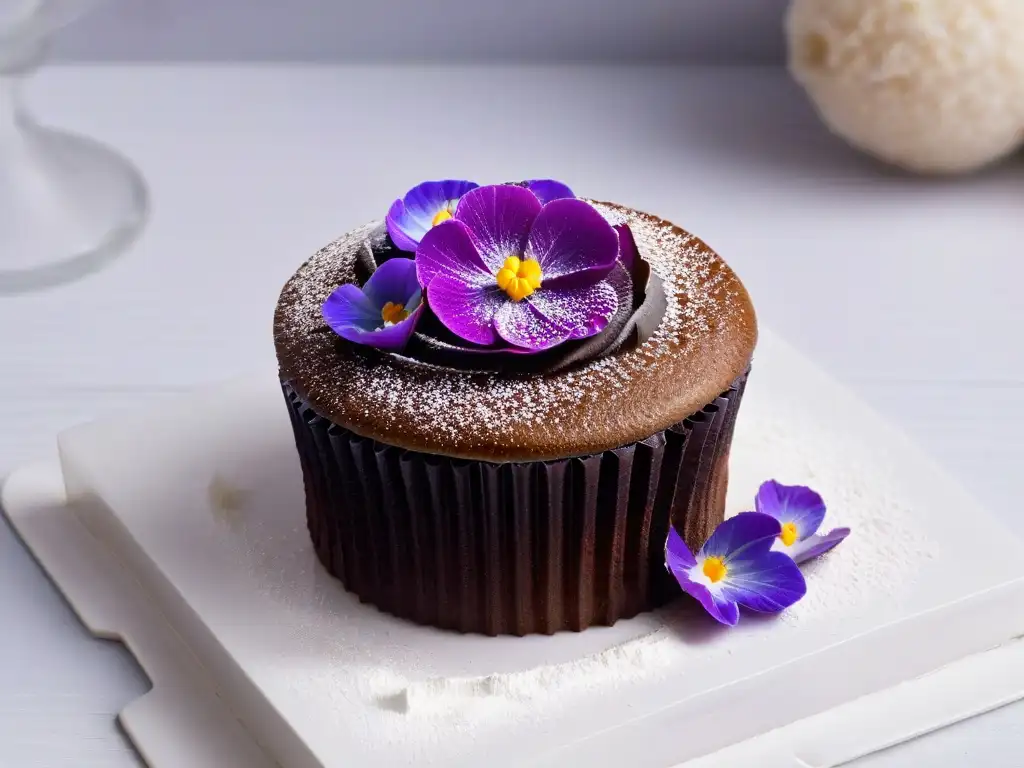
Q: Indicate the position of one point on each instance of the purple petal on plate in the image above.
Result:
(766, 582)
(721, 610)
(547, 190)
(499, 218)
(571, 237)
(795, 504)
(347, 306)
(520, 324)
(404, 231)
(466, 310)
(448, 249)
(747, 531)
(816, 544)
(677, 555)
(582, 312)
(629, 254)
(393, 281)
(392, 338)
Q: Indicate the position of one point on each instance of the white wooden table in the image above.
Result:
(907, 290)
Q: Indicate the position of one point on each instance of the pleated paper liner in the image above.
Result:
(515, 548)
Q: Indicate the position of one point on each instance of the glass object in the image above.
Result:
(68, 204)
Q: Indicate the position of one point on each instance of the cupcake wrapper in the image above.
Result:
(514, 548)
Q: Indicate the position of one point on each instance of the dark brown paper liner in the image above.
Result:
(515, 548)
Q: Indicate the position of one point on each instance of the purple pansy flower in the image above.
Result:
(424, 206)
(735, 567)
(383, 313)
(508, 268)
(547, 190)
(800, 511)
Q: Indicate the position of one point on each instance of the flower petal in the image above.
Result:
(677, 555)
(721, 610)
(816, 544)
(570, 237)
(448, 249)
(466, 310)
(547, 190)
(392, 338)
(347, 306)
(582, 312)
(767, 582)
(747, 532)
(499, 218)
(393, 281)
(795, 504)
(404, 231)
(519, 323)
(410, 221)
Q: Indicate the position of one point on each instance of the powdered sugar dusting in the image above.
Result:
(888, 545)
(481, 409)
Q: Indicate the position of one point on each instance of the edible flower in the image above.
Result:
(735, 567)
(508, 268)
(547, 190)
(383, 313)
(800, 511)
(424, 206)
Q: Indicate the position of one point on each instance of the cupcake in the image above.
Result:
(503, 397)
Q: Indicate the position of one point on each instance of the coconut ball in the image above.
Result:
(935, 86)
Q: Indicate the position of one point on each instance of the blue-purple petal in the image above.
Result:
(748, 532)
(404, 232)
(393, 338)
(547, 190)
(569, 237)
(520, 324)
(815, 545)
(722, 610)
(499, 217)
(467, 310)
(677, 554)
(581, 312)
(448, 249)
(393, 281)
(348, 307)
(629, 253)
(767, 582)
(409, 221)
(795, 504)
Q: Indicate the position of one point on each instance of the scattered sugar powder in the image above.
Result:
(632, 661)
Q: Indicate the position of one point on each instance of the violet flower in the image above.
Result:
(547, 190)
(735, 567)
(508, 268)
(424, 206)
(383, 313)
(800, 511)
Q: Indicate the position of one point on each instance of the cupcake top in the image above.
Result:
(512, 324)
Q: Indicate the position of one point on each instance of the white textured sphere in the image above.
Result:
(933, 86)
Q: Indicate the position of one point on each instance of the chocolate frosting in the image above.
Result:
(578, 406)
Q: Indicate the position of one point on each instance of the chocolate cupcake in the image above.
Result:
(504, 396)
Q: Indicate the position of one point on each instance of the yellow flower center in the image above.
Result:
(789, 534)
(714, 569)
(519, 278)
(443, 215)
(393, 313)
